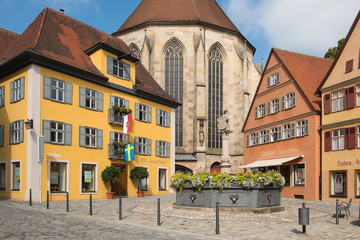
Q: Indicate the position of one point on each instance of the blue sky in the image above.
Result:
(304, 26)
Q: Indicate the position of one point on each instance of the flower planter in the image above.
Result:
(110, 195)
(140, 194)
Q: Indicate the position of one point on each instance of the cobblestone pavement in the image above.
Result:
(18, 220)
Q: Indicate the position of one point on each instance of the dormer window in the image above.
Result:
(118, 68)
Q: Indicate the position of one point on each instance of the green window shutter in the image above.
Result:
(68, 134)
(267, 136)
(158, 116)
(137, 112)
(126, 138)
(22, 88)
(100, 101)
(12, 92)
(268, 81)
(112, 137)
(136, 145)
(46, 131)
(294, 99)
(167, 149)
(82, 136)
(306, 126)
(256, 138)
(167, 119)
(126, 71)
(11, 133)
(126, 103)
(148, 114)
(110, 65)
(21, 131)
(1, 135)
(148, 146)
(82, 96)
(282, 102)
(269, 104)
(68, 93)
(99, 138)
(2, 100)
(279, 133)
(292, 130)
(112, 101)
(278, 104)
(157, 148)
(47, 88)
(247, 140)
(256, 112)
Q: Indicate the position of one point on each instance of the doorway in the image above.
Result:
(120, 186)
(215, 167)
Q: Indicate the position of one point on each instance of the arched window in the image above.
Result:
(174, 84)
(135, 50)
(215, 95)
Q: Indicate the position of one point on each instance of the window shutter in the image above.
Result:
(327, 106)
(126, 104)
(126, 138)
(292, 130)
(359, 61)
(137, 113)
(82, 97)
(148, 114)
(112, 101)
(148, 143)
(68, 93)
(352, 138)
(99, 138)
(21, 130)
(82, 136)
(282, 102)
(349, 66)
(22, 87)
(2, 100)
(157, 148)
(278, 104)
(1, 135)
(278, 76)
(267, 136)
(136, 145)
(12, 92)
(346, 138)
(247, 140)
(279, 133)
(112, 137)
(256, 112)
(100, 101)
(47, 88)
(327, 141)
(167, 149)
(126, 71)
(306, 127)
(167, 119)
(269, 104)
(256, 138)
(11, 133)
(350, 97)
(268, 81)
(294, 99)
(68, 134)
(110, 65)
(46, 131)
(158, 116)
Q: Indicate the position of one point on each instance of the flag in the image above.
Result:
(129, 152)
(127, 123)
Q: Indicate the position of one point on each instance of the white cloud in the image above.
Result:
(304, 26)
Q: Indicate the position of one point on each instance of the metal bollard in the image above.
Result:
(337, 211)
(120, 209)
(30, 200)
(304, 217)
(47, 200)
(90, 204)
(67, 202)
(217, 227)
(158, 212)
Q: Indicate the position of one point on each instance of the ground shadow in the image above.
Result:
(297, 231)
(356, 223)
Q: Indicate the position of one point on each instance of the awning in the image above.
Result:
(271, 162)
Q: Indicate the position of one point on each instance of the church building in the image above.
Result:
(202, 60)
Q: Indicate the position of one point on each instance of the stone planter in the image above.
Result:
(230, 197)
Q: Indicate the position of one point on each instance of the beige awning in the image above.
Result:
(271, 162)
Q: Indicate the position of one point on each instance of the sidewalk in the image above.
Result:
(141, 213)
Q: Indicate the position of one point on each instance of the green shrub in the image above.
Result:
(110, 174)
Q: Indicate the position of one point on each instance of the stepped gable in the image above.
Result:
(308, 72)
(7, 38)
(60, 38)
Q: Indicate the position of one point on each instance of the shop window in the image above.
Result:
(15, 180)
(162, 179)
(272, 168)
(58, 177)
(2, 176)
(357, 183)
(338, 183)
(88, 177)
(299, 173)
(285, 172)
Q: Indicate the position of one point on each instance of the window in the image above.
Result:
(142, 112)
(260, 111)
(299, 173)
(274, 106)
(118, 101)
(17, 90)
(274, 134)
(1, 135)
(273, 79)
(215, 96)
(357, 183)
(57, 90)
(135, 51)
(162, 179)
(285, 172)
(338, 139)
(264, 136)
(114, 151)
(118, 137)
(358, 95)
(58, 177)
(2, 176)
(57, 132)
(252, 139)
(288, 101)
(338, 100)
(162, 118)
(88, 177)
(302, 128)
(2, 96)
(91, 137)
(117, 117)
(16, 132)
(15, 179)
(338, 183)
(91, 99)
(349, 66)
(142, 146)
(118, 68)
(286, 131)
(162, 149)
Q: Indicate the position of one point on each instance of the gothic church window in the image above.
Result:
(135, 50)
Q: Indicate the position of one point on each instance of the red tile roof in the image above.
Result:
(7, 38)
(58, 37)
(308, 72)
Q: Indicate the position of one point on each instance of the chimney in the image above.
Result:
(62, 11)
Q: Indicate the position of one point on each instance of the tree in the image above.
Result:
(332, 52)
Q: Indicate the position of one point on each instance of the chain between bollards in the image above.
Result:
(47, 200)
(67, 202)
(337, 211)
(30, 200)
(120, 209)
(158, 212)
(90, 204)
(217, 227)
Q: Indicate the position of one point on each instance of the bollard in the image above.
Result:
(90, 204)
(67, 202)
(304, 217)
(47, 200)
(30, 202)
(217, 227)
(337, 211)
(158, 212)
(120, 209)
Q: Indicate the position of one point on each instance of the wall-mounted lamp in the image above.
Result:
(29, 124)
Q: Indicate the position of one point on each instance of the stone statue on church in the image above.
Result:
(224, 128)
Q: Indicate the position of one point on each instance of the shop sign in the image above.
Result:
(279, 152)
(345, 163)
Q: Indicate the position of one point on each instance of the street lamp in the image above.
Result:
(29, 124)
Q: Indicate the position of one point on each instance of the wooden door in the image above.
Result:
(120, 186)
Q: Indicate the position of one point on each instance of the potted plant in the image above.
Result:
(110, 174)
(139, 173)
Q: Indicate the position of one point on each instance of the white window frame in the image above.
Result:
(67, 162)
(16, 132)
(162, 149)
(17, 90)
(96, 172)
(289, 100)
(5, 162)
(338, 139)
(304, 175)
(143, 146)
(261, 110)
(252, 139)
(91, 98)
(166, 179)
(338, 101)
(90, 137)
(333, 176)
(59, 91)
(273, 79)
(274, 134)
(57, 132)
(301, 127)
(262, 137)
(357, 183)
(163, 120)
(12, 175)
(275, 105)
(143, 110)
(286, 131)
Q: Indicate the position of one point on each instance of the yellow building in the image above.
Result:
(65, 77)
(340, 125)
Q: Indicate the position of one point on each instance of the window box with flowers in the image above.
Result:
(116, 114)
